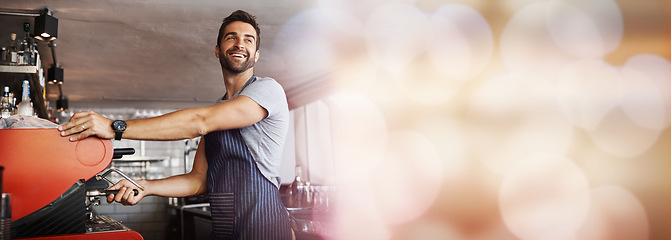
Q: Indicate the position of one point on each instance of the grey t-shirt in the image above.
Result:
(265, 139)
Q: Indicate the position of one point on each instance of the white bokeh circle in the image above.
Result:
(587, 29)
(450, 51)
(359, 135)
(527, 47)
(544, 36)
(544, 197)
(642, 100)
(619, 136)
(463, 41)
(390, 47)
(607, 17)
(574, 31)
(408, 180)
(658, 70)
(587, 90)
(615, 214)
(314, 42)
(356, 215)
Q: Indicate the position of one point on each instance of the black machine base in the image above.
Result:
(65, 215)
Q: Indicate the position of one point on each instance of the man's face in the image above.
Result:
(237, 50)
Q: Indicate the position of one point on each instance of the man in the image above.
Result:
(238, 158)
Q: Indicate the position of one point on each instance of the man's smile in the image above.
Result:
(238, 55)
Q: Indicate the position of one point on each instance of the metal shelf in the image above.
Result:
(18, 69)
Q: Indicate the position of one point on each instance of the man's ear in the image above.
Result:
(256, 56)
(216, 51)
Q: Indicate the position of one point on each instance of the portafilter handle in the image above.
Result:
(119, 152)
(110, 170)
(95, 193)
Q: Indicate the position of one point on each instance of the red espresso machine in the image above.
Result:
(54, 183)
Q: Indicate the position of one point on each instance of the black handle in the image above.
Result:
(108, 192)
(119, 152)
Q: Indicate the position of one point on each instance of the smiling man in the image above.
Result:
(238, 159)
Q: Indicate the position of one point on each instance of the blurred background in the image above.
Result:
(433, 119)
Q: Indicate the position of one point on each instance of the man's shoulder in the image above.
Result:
(267, 92)
(268, 84)
(267, 80)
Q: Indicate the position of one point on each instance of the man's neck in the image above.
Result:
(234, 81)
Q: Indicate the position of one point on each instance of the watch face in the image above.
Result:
(119, 125)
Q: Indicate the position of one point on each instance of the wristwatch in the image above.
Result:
(118, 126)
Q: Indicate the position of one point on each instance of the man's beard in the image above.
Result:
(230, 66)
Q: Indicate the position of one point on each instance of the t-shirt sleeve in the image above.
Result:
(269, 94)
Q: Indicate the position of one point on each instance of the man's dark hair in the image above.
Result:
(242, 16)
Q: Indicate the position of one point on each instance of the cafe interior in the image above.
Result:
(409, 119)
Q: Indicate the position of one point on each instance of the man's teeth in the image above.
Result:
(237, 55)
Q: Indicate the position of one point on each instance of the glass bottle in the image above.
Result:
(13, 103)
(62, 113)
(297, 189)
(21, 53)
(12, 50)
(6, 107)
(36, 55)
(4, 59)
(25, 106)
(26, 46)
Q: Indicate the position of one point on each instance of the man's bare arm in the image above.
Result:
(239, 112)
(189, 184)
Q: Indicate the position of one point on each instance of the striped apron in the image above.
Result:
(244, 204)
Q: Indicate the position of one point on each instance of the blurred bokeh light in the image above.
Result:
(515, 119)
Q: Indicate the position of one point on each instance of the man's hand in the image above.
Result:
(86, 124)
(126, 196)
